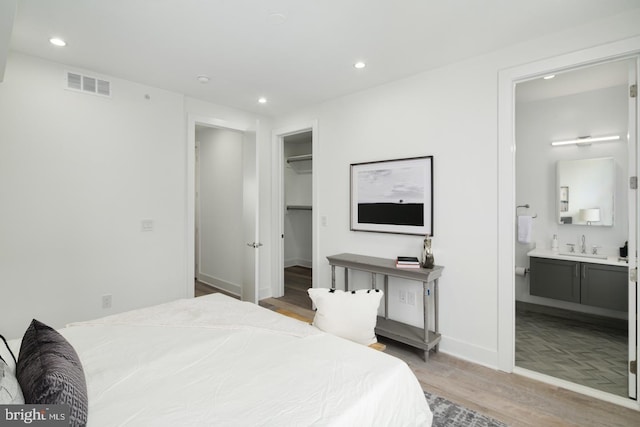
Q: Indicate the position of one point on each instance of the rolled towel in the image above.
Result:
(525, 223)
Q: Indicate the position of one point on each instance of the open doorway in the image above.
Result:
(575, 316)
(219, 180)
(297, 151)
(222, 208)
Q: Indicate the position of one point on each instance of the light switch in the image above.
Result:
(146, 225)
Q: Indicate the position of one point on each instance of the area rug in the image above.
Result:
(449, 414)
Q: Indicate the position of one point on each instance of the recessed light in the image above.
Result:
(359, 65)
(262, 100)
(203, 79)
(549, 77)
(57, 42)
(277, 18)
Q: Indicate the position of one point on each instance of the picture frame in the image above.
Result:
(393, 196)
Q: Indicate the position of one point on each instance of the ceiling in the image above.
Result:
(293, 52)
(585, 79)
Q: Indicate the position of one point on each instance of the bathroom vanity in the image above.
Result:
(593, 280)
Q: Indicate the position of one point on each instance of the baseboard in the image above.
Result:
(220, 284)
(297, 261)
(591, 319)
(471, 353)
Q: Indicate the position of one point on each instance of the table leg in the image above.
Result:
(346, 279)
(386, 296)
(373, 280)
(425, 311)
(333, 276)
(435, 310)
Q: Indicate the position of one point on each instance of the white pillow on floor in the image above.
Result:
(351, 315)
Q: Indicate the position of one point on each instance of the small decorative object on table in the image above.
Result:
(427, 253)
(407, 262)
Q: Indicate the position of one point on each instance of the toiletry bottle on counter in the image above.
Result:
(554, 243)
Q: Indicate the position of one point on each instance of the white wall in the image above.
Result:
(221, 239)
(78, 173)
(450, 113)
(297, 191)
(597, 112)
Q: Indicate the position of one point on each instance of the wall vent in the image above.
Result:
(88, 84)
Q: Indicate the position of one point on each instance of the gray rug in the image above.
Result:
(449, 414)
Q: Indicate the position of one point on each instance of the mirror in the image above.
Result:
(586, 191)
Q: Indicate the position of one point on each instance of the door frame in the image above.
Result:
(190, 208)
(278, 203)
(507, 80)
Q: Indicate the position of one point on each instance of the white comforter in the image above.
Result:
(215, 361)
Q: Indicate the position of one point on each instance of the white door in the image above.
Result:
(250, 197)
(634, 232)
(197, 211)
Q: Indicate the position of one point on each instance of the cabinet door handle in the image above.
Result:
(577, 271)
(584, 271)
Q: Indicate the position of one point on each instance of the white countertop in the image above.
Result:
(594, 259)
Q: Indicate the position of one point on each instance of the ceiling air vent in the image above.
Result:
(88, 84)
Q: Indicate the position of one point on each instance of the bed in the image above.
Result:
(214, 360)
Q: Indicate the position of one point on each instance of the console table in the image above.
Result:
(422, 338)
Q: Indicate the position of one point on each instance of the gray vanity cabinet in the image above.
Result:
(597, 285)
(554, 278)
(604, 286)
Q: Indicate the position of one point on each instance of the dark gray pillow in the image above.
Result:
(50, 372)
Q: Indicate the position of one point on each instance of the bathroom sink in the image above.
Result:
(581, 255)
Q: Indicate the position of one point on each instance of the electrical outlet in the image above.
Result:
(403, 297)
(411, 298)
(106, 301)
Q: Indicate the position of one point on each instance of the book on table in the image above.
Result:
(407, 262)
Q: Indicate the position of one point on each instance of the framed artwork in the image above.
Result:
(393, 196)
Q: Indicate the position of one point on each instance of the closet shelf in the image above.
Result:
(298, 207)
(300, 158)
(300, 164)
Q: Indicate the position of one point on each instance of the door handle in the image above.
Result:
(254, 245)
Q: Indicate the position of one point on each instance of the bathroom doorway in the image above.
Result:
(572, 284)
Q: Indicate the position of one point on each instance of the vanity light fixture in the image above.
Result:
(359, 65)
(262, 100)
(586, 140)
(57, 42)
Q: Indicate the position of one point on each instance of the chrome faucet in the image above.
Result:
(583, 246)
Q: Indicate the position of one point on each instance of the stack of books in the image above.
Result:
(407, 262)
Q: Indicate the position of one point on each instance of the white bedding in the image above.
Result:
(215, 361)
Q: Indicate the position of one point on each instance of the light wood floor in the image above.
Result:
(510, 398)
